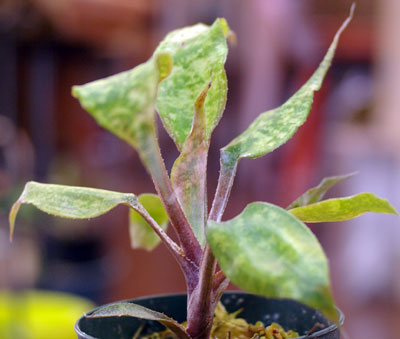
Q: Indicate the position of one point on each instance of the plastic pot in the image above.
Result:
(288, 313)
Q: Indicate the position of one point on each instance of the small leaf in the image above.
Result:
(69, 201)
(189, 172)
(138, 311)
(315, 194)
(341, 209)
(197, 52)
(274, 128)
(267, 251)
(124, 103)
(142, 235)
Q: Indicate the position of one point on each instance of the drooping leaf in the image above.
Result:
(69, 201)
(189, 172)
(142, 235)
(315, 194)
(138, 311)
(197, 52)
(275, 127)
(124, 103)
(266, 251)
(341, 209)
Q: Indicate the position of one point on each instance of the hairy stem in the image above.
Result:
(207, 293)
(153, 161)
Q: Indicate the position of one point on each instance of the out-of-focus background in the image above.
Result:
(46, 46)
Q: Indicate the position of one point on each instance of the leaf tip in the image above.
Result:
(12, 216)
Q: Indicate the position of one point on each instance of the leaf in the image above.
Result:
(124, 103)
(141, 234)
(267, 251)
(69, 201)
(138, 311)
(197, 52)
(274, 128)
(315, 194)
(189, 172)
(341, 209)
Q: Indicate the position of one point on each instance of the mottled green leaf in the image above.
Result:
(189, 172)
(274, 128)
(267, 251)
(69, 201)
(197, 52)
(138, 311)
(315, 194)
(341, 209)
(141, 233)
(124, 103)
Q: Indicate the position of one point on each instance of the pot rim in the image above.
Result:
(323, 331)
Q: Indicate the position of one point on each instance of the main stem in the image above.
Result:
(151, 157)
(205, 297)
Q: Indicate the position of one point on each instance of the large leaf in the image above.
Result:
(138, 311)
(141, 233)
(197, 51)
(69, 201)
(315, 194)
(341, 209)
(267, 251)
(189, 172)
(273, 128)
(124, 103)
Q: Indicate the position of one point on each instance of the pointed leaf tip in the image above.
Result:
(273, 128)
(69, 201)
(342, 209)
(12, 216)
(316, 193)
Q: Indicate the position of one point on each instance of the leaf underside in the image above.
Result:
(141, 234)
(316, 193)
(69, 201)
(189, 172)
(341, 209)
(266, 251)
(138, 311)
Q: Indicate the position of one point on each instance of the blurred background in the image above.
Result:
(46, 46)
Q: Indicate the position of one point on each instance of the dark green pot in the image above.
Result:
(288, 313)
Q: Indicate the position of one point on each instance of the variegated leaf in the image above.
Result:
(341, 209)
(141, 312)
(197, 51)
(274, 128)
(266, 251)
(69, 201)
(124, 103)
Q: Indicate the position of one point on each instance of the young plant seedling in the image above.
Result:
(266, 250)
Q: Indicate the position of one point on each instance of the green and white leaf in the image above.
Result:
(69, 201)
(197, 51)
(138, 311)
(141, 233)
(274, 128)
(341, 209)
(189, 172)
(315, 194)
(267, 251)
(125, 103)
